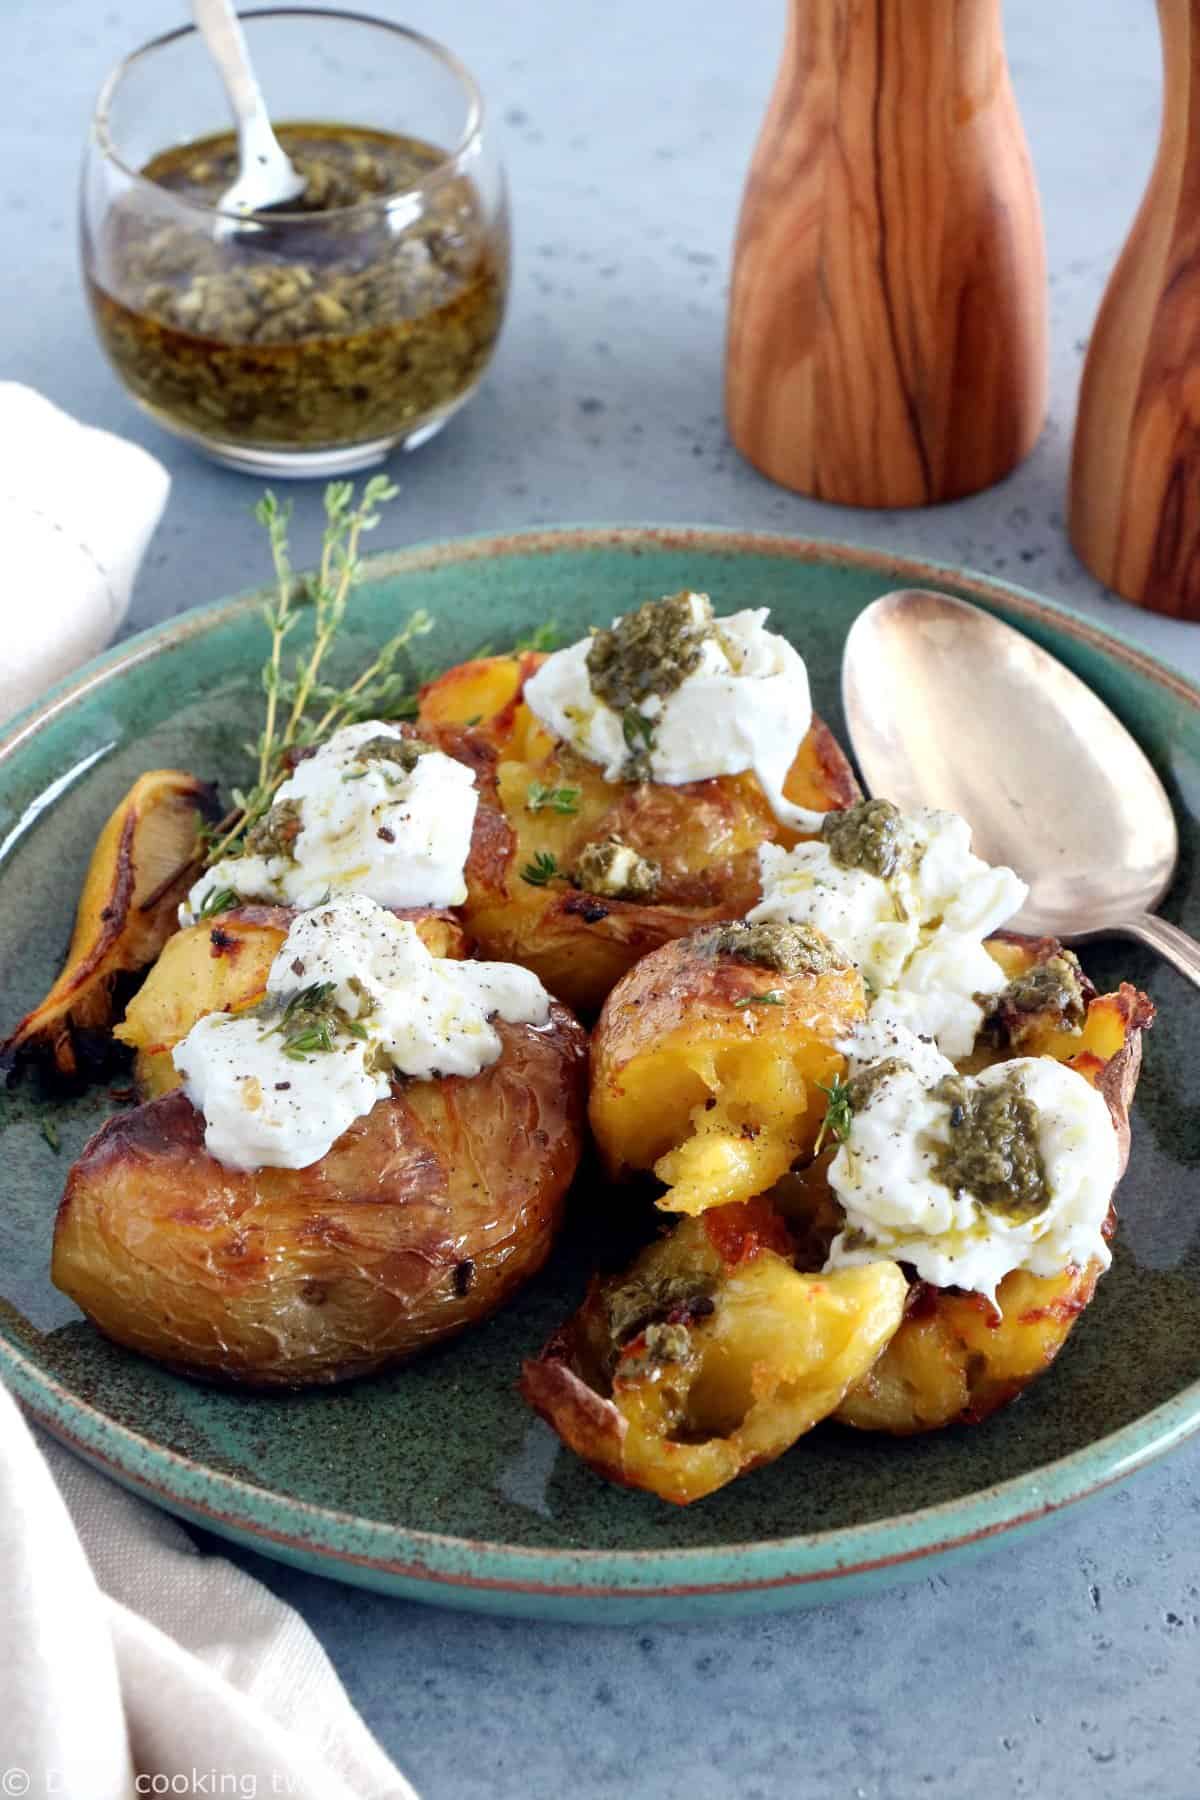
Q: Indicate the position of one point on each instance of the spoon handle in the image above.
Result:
(223, 34)
(1173, 945)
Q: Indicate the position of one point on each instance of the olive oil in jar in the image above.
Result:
(366, 311)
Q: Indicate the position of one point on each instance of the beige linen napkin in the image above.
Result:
(132, 1664)
(77, 508)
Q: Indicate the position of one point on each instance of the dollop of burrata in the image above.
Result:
(888, 1171)
(744, 706)
(916, 932)
(353, 997)
(372, 811)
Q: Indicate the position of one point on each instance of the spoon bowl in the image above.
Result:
(949, 707)
(266, 175)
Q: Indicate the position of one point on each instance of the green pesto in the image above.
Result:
(866, 836)
(645, 1301)
(331, 327)
(993, 1151)
(405, 752)
(610, 868)
(650, 651)
(787, 949)
(1050, 991)
(862, 1088)
(276, 832)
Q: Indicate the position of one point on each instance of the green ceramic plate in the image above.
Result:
(435, 1483)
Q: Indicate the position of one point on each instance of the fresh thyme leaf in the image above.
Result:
(308, 1042)
(838, 1113)
(217, 900)
(544, 638)
(541, 871)
(772, 997)
(50, 1133)
(474, 720)
(539, 798)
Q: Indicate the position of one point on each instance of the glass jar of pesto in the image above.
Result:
(311, 340)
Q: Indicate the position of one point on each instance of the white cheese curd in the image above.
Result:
(896, 1205)
(391, 1006)
(745, 707)
(918, 935)
(263, 1109)
(401, 837)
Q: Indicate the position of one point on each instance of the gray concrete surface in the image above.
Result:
(1065, 1666)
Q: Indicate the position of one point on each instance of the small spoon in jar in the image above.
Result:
(266, 175)
(948, 707)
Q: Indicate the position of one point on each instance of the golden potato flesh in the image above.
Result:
(702, 837)
(425, 1216)
(221, 965)
(707, 1069)
(954, 1360)
(711, 1355)
(143, 863)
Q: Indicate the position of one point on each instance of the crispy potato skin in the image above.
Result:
(766, 1353)
(141, 867)
(221, 965)
(424, 1217)
(698, 1077)
(953, 1361)
(704, 835)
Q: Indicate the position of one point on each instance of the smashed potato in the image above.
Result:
(711, 1356)
(691, 852)
(424, 1217)
(707, 1068)
(141, 868)
(955, 1360)
(221, 965)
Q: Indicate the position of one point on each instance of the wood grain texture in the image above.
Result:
(887, 333)
(1135, 473)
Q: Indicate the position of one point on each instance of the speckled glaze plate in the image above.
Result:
(435, 1482)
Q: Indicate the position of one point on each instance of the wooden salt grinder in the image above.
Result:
(1135, 473)
(887, 328)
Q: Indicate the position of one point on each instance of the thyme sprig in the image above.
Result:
(310, 1020)
(839, 1113)
(772, 997)
(301, 708)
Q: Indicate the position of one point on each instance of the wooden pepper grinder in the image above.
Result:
(1135, 474)
(887, 330)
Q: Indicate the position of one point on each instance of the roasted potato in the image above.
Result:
(707, 1067)
(711, 1356)
(144, 861)
(221, 965)
(426, 1215)
(953, 1360)
(702, 837)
